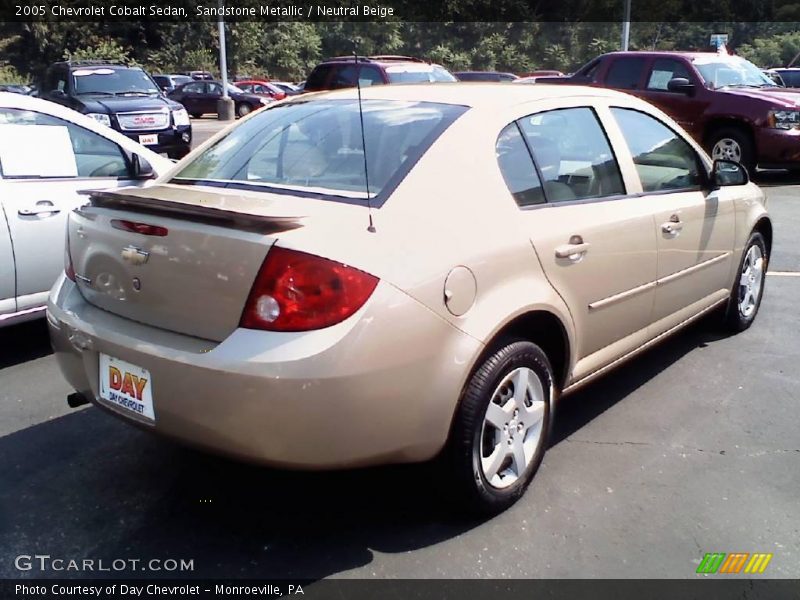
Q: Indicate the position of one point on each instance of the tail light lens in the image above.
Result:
(69, 270)
(295, 291)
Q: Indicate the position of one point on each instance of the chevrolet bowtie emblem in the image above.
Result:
(134, 255)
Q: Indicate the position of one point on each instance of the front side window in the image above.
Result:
(665, 69)
(663, 159)
(625, 73)
(316, 147)
(572, 154)
(72, 151)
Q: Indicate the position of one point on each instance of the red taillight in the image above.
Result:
(69, 270)
(295, 291)
(143, 228)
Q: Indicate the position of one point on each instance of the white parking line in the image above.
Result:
(784, 273)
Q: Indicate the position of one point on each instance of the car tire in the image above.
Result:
(733, 143)
(178, 154)
(244, 109)
(748, 287)
(486, 448)
(196, 115)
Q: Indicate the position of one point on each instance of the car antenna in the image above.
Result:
(371, 227)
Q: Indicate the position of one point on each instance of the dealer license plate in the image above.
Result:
(126, 385)
(148, 140)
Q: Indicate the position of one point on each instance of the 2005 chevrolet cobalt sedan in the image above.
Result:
(283, 296)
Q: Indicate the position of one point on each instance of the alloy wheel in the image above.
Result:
(751, 281)
(727, 149)
(512, 427)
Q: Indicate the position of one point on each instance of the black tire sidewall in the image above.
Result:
(736, 320)
(479, 391)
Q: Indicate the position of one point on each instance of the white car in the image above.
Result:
(48, 155)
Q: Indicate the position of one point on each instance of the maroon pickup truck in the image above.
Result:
(728, 105)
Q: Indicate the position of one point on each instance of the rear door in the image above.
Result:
(626, 73)
(192, 97)
(695, 226)
(597, 247)
(38, 193)
(211, 95)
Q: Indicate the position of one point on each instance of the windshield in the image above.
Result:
(105, 80)
(316, 147)
(418, 74)
(731, 71)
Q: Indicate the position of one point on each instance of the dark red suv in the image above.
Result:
(727, 103)
(340, 72)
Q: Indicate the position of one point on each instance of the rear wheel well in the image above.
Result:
(764, 227)
(543, 329)
(712, 127)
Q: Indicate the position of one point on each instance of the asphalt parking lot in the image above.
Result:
(694, 447)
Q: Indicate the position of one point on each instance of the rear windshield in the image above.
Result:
(315, 147)
(413, 73)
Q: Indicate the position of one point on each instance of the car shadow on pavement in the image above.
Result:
(24, 342)
(88, 486)
(585, 404)
(773, 178)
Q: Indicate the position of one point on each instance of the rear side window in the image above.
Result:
(345, 76)
(572, 154)
(318, 78)
(664, 160)
(663, 70)
(517, 167)
(316, 147)
(625, 73)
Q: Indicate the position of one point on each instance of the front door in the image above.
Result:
(686, 109)
(695, 227)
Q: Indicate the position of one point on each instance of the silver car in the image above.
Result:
(48, 155)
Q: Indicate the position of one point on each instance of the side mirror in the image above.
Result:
(57, 94)
(140, 168)
(728, 172)
(680, 85)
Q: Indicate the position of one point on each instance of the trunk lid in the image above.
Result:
(193, 278)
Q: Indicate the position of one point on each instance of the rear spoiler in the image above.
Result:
(202, 214)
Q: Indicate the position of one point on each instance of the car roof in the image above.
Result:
(381, 59)
(470, 94)
(662, 53)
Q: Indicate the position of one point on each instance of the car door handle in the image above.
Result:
(574, 250)
(672, 227)
(42, 207)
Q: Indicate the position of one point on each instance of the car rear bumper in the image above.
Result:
(379, 388)
(778, 148)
